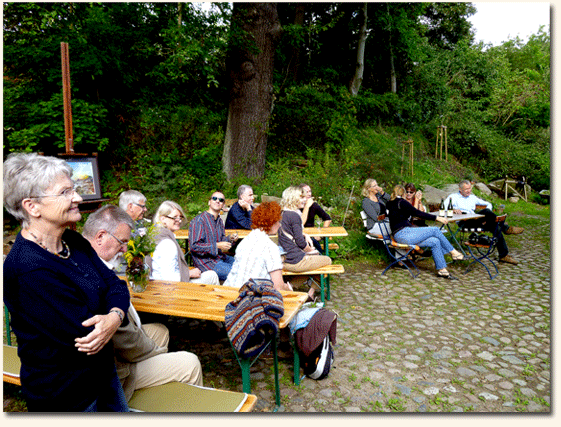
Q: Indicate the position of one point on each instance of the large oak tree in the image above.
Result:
(255, 29)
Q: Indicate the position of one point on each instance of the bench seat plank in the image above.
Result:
(170, 397)
(328, 269)
(12, 365)
(179, 397)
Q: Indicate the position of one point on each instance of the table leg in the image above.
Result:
(326, 245)
(246, 379)
(296, 365)
(276, 363)
(456, 240)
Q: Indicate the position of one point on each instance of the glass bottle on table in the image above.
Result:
(450, 212)
(441, 212)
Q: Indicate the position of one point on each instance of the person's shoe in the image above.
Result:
(456, 255)
(508, 259)
(514, 230)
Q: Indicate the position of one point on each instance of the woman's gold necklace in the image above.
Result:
(64, 254)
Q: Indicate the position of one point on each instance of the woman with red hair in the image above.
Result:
(257, 256)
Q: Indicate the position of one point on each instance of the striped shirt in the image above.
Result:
(204, 232)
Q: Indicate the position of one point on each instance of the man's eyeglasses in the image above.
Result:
(175, 218)
(68, 193)
(218, 199)
(118, 240)
(140, 206)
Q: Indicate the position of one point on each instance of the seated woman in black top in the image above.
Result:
(400, 210)
(310, 211)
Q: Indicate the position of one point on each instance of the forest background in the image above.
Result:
(155, 87)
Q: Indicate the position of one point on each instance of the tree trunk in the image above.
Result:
(255, 28)
(393, 79)
(359, 70)
(294, 65)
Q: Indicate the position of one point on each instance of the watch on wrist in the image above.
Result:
(121, 317)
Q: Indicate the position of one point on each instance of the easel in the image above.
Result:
(86, 205)
(441, 137)
(510, 184)
(410, 143)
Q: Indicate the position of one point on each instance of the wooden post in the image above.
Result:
(411, 148)
(69, 139)
(446, 140)
(441, 140)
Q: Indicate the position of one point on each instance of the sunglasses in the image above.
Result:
(410, 192)
(218, 199)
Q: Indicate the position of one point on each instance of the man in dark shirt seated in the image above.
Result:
(239, 215)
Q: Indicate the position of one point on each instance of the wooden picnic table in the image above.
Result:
(208, 302)
(317, 232)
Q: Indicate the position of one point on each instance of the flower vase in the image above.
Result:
(137, 274)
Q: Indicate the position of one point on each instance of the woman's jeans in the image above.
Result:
(430, 237)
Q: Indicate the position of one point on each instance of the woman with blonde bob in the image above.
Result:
(168, 261)
(257, 256)
(300, 253)
(400, 210)
(374, 204)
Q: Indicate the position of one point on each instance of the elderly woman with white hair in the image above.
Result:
(300, 253)
(168, 261)
(65, 304)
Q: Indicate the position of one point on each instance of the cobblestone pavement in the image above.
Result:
(415, 345)
(422, 345)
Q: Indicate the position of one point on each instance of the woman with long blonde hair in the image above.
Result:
(300, 253)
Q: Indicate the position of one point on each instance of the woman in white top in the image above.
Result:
(257, 256)
(168, 261)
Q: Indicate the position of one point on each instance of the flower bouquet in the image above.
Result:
(138, 248)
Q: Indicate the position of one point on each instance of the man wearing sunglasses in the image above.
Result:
(208, 241)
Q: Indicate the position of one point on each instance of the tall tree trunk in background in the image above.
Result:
(359, 71)
(294, 66)
(255, 28)
(393, 80)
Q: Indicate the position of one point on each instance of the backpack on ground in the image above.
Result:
(318, 364)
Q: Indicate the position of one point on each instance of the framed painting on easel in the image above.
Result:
(85, 175)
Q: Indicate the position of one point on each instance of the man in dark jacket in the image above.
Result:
(239, 215)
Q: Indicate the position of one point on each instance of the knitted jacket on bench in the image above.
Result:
(252, 319)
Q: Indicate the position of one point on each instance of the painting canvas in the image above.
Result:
(85, 176)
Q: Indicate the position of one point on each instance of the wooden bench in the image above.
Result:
(170, 397)
(324, 273)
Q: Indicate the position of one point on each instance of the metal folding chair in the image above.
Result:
(398, 252)
(480, 252)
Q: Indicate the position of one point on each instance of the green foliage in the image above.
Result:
(311, 116)
(40, 126)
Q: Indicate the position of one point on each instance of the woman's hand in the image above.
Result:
(194, 273)
(105, 326)
(442, 220)
(309, 202)
(419, 195)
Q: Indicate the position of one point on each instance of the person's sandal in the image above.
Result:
(456, 255)
(445, 275)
